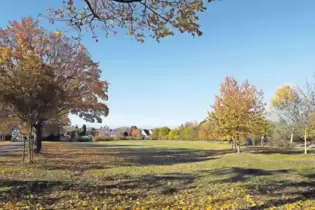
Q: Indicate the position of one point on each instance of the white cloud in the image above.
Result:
(119, 119)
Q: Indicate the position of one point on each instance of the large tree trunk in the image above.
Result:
(305, 142)
(38, 138)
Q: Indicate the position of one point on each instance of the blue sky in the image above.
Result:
(270, 43)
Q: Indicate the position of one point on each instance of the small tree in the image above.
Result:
(172, 134)
(237, 111)
(290, 108)
(155, 134)
(306, 124)
(83, 132)
(163, 132)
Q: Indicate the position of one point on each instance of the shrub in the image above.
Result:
(84, 139)
(104, 138)
(278, 140)
(8, 137)
(129, 138)
(51, 137)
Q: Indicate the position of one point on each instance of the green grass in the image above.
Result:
(157, 175)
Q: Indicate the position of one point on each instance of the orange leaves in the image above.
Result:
(204, 131)
(54, 73)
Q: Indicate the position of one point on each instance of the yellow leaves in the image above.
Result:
(131, 32)
(57, 34)
(234, 110)
(284, 95)
(250, 200)
(20, 41)
(4, 54)
(308, 204)
(82, 15)
(84, 204)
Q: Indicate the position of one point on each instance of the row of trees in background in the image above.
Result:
(187, 131)
(239, 116)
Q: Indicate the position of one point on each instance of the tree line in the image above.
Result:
(240, 116)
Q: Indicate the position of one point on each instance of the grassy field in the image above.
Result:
(157, 175)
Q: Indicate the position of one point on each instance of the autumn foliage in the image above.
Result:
(159, 18)
(237, 111)
(45, 75)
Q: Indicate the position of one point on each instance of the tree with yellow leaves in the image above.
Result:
(204, 130)
(236, 111)
(289, 107)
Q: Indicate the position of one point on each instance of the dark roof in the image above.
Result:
(147, 132)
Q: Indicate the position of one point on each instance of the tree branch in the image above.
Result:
(152, 10)
(91, 9)
(127, 1)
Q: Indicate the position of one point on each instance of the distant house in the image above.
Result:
(145, 133)
(106, 131)
(92, 132)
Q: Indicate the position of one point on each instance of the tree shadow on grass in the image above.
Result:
(284, 192)
(261, 182)
(283, 151)
(98, 145)
(237, 174)
(127, 188)
(86, 158)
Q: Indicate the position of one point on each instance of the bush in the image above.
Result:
(104, 138)
(51, 137)
(130, 138)
(278, 140)
(8, 137)
(84, 139)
